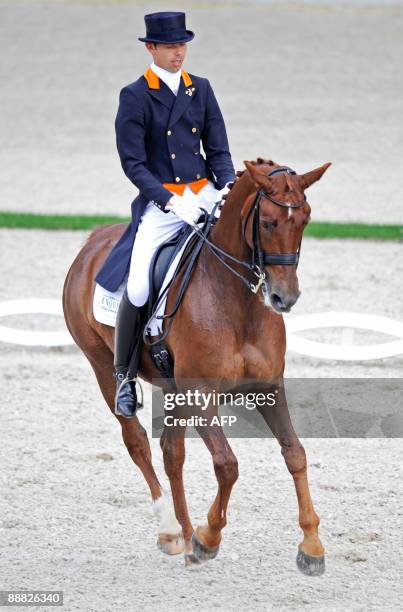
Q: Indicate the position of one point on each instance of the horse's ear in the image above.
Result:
(314, 175)
(258, 176)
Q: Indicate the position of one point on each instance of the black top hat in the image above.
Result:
(166, 27)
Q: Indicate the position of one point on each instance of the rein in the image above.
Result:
(260, 258)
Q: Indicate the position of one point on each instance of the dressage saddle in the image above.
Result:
(162, 259)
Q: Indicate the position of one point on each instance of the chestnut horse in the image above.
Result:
(236, 334)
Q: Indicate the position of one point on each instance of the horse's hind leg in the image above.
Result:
(170, 539)
(310, 558)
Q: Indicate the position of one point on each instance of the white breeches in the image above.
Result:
(155, 228)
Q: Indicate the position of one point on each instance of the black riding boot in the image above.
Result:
(128, 338)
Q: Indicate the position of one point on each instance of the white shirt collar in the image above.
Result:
(171, 79)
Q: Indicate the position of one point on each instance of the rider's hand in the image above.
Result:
(185, 209)
(222, 192)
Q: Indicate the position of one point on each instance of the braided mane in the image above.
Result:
(260, 161)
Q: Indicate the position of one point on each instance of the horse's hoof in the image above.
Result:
(202, 552)
(310, 566)
(171, 544)
(191, 560)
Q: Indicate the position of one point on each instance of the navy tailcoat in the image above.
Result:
(159, 137)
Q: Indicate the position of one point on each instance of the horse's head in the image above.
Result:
(274, 217)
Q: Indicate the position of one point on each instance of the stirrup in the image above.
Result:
(123, 379)
(140, 404)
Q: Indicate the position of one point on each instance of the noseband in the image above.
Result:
(261, 257)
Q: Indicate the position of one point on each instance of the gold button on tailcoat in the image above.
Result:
(194, 130)
(177, 179)
(173, 155)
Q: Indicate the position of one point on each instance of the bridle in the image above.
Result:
(259, 256)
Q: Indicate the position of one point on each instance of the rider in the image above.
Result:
(162, 120)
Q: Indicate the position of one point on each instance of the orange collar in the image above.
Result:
(154, 81)
(179, 188)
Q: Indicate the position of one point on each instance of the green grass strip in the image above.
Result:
(325, 229)
(57, 222)
(316, 229)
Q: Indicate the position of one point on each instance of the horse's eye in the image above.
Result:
(268, 225)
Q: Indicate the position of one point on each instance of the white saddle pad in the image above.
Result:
(106, 303)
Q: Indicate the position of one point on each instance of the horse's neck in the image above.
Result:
(227, 233)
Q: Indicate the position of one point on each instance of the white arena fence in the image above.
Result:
(347, 351)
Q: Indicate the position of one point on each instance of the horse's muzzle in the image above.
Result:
(283, 302)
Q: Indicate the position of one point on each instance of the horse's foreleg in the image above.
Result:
(207, 538)
(136, 441)
(310, 558)
(173, 448)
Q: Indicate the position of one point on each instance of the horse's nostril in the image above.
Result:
(283, 304)
(277, 301)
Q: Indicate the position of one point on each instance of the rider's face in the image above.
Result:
(169, 57)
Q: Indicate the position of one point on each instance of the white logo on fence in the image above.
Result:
(298, 344)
